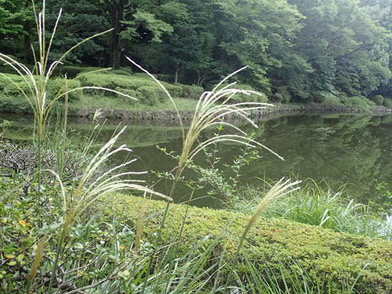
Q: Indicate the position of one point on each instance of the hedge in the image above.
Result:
(332, 259)
(10, 85)
(134, 82)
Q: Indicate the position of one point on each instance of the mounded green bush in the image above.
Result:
(332, 259)
(332, 100)
(388, 102)
(359, 102)
(326, 97)
(132, 93)
(191, 91)
(378, 99)
(174, 90)
(72, 71)
(98, 79)
(60, 85)
(14, 105)
(282, 95)
(10, 86)
(150, 95)
(5, 80)
(139, 83)
(240, 97)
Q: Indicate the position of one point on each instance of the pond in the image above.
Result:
(344, 152)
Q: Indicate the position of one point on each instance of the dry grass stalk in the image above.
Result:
(211, 110)
(279, 190)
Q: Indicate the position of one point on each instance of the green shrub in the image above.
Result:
(72, 71)
(243, 97)
(388, 102)
(150, 95)
(359, 102)
(282, 95)
(58, 85)
(174, 89)
(378, 99)
(14, 105)
(125, 71)
(101, 80)
(5, 80)
(136, 85)
(326, 97)
(191, 91)
(332, 100)
(113, 81)
(55, 87)
(132, 93)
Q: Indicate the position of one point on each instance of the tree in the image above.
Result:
(81, 19)
(346, 48)
(16, 20)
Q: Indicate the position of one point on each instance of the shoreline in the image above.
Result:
(170, 118)
(278, 110)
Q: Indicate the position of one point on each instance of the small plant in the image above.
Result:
(212, 109)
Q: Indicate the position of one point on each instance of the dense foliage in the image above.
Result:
(297, 50)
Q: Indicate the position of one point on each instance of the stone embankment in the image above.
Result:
(278, 110)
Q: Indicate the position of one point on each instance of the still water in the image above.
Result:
(350, 153)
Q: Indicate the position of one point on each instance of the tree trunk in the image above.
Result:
(176, 74)
(117, 16)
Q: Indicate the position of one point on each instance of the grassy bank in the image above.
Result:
(319, 206)
(148, 93)
(120, 242)
(334, 260)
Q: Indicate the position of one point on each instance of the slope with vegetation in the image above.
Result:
(297, 50)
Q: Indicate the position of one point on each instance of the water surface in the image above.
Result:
(346, 152)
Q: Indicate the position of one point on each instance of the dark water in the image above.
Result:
(345, 152)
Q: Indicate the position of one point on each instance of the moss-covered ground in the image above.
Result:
(333, 259)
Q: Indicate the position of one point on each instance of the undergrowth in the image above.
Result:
(320, 206)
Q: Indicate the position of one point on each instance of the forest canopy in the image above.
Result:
(296, 50)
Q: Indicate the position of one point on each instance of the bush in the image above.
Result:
(359, 102)
(174, 90)
(113, 81)
(102, 80)
(5, 80)
(14, 105)
(55, 86)
(58, 85)
(132, 93)
(378, 99)
(72, 71)
(150, 95)
(246, 98)
(136, 85)
(282, 95)
(325, 97)
(125, 71)
(191, 91)
(388, 102)
(332, 100)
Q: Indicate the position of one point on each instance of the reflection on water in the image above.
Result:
(353, 152)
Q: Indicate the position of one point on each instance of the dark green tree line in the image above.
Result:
(296, 50)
